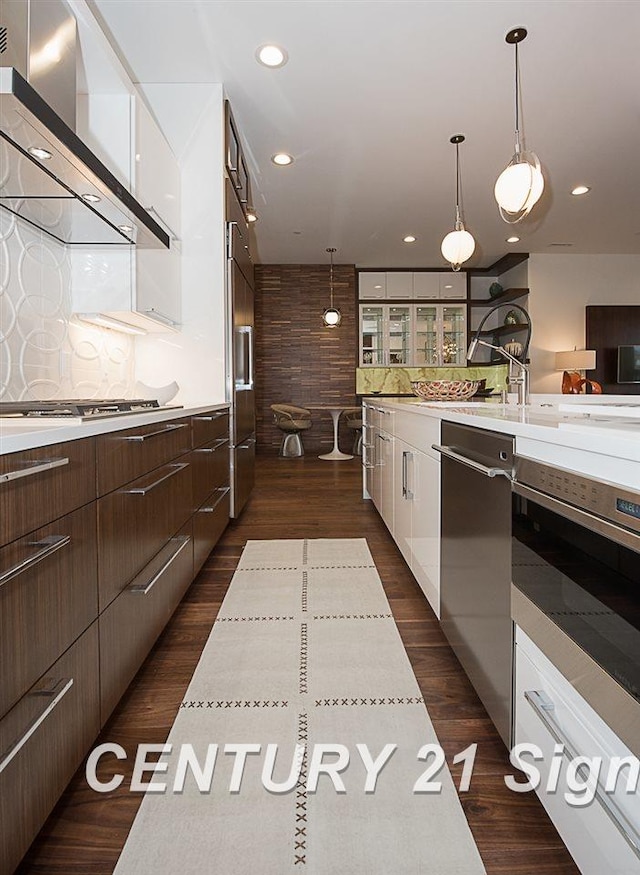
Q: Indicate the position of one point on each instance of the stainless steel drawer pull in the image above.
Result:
(52, 696)
(150, 434)
(145, 588)
(450, 453)
(48, 545)
(217, 446)
(144, 490)
(545, 709)
(211, 509)
(33, 468)
(211, 418)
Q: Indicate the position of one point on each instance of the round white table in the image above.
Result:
(335, 455)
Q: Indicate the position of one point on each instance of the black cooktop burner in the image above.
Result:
(76, 407)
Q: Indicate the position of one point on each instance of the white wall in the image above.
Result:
(561, 286)
(192, 119)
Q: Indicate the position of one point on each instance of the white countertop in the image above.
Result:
(590, 442)
(27, 434)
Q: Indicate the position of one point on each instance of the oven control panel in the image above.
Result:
(606, 500)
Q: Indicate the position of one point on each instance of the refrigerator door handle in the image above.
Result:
(251, 362)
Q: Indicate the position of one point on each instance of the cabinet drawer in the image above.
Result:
(209, 522)
(419, 431)
(136, 521)
(43, 740)
(552, 715)
(122, 456)
(210, 469)
(48, 597)
(133, 621)
(37, 486)
(209, 426)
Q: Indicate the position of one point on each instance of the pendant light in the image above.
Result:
(458, 245)
(331, 317)
(521, 183)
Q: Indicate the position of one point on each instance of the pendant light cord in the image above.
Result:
(331, 251)
(457, 184)
(517, 101)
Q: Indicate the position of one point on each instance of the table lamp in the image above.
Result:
(574, 363)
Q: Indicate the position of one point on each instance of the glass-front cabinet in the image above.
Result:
(385, 335)
(418, 335)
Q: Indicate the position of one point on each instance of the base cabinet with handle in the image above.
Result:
(99, 540)
(401, 475)
(604, 835)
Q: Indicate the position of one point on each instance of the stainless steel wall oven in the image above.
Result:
(576, 556)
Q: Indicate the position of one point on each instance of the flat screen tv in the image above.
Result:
(629, 364)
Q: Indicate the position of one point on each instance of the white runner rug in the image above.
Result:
(304, 651)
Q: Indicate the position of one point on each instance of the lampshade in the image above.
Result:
(520, 185)
(576, 360)
(457, 247)
(332, 317)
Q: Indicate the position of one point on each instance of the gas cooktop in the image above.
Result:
(77, 408)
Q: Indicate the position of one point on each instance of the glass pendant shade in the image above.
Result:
(457, 247)
(519, 186)
(331, 317)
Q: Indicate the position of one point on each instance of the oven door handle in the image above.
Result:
(587, 520)
(451, 453)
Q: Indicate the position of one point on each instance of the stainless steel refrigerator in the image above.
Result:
(240, 354)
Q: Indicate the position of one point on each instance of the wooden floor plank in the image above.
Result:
(297, 499)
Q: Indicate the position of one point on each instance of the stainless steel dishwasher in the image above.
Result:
(475, 577)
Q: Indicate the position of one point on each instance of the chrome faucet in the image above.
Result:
(523, 378)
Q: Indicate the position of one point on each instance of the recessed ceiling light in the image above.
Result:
(37, 152)
(90, 198)
(377, 287)
(126, 229)
(272, 56)
(409, 239)
(580, 189)
(512, 240)
(449, 286)
(282, 159)
(252, 216)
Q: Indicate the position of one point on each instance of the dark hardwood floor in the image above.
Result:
(299, 498)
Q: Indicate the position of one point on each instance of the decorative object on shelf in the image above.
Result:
(520, 185)
(511, 318)
(495, 290)
(445, 390)
(514, 347)
(332, 317)
(574, 363)
(458, 245)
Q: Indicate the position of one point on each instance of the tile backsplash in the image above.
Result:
(43, 354)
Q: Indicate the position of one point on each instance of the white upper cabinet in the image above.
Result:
(452, 285)
(422, 285)
(399, 284)
(157, 175)
(372, 284)
(157, 187)
(426, 285)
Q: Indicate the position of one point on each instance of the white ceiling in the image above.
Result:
(371, 95)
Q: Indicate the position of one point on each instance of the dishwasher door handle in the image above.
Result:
(451, 453)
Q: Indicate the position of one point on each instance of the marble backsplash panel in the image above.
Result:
(43, 353)
(397, 381)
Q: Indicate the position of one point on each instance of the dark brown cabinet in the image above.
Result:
(99, 540)
(43, 740)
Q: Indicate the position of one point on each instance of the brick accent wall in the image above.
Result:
(298, 360)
